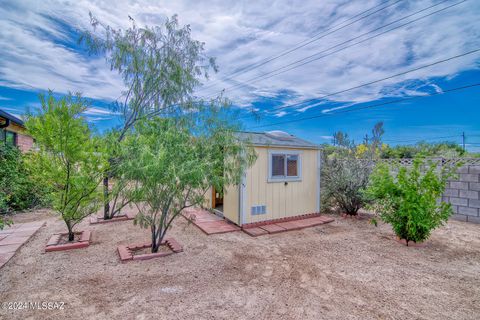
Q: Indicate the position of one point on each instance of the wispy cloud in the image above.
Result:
(91, 111)
(345, 106)
(280, 114)
(39, 53)
(326, 137)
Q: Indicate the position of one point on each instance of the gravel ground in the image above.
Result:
(347, 269)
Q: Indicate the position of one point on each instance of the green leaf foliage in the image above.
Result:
(19, 190)
(171, 163)
(345, 171)
(408, 198)
(67, 159)
(161, 66)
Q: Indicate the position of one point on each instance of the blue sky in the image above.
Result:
(39, 52)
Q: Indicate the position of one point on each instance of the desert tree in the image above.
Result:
(161, 66)
(172, 162)
(66, 159)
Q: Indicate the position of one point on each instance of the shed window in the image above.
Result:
(284, 166)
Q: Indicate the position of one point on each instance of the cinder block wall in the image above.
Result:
(464, 194)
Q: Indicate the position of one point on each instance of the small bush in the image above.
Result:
(346, 168)
(342, 183)
(409, 200)
(66, 160)
(19, 190)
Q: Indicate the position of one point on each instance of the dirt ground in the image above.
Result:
(347, 269)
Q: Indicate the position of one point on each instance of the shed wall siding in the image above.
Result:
(207, 204)
(296, 198)
(231, 203)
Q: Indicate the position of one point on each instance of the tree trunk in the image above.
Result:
(71, 235)
(154, 240)
(106, 201)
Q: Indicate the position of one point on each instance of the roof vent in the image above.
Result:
(279, 135)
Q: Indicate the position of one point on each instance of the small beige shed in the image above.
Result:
(283, 182)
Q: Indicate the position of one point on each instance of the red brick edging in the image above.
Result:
(289, 224)
(53, 243)
(286, 219)
(126, 251)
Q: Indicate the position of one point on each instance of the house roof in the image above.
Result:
(11, 117)
(276, 139)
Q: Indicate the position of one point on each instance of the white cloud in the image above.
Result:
(91, 111)
(280, 114)
(4, 98)
(338, 108)
(96, 119)
(240, 34)
(436, 88)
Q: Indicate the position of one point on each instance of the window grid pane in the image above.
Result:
(278, 165)
(292, 166)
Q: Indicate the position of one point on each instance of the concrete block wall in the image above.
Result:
(464, 194)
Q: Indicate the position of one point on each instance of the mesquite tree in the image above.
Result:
(160, 67)
(171, 163)
(66, 158)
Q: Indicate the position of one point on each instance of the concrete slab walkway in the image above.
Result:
(208, 222)
(286, 226)
(13, 237)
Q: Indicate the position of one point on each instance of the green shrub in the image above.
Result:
(346, 168)
(409, 199)
(19, 190)
(342, 183)
(66, 160)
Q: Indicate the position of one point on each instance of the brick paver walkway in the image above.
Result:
(13, 237)
(287, 226)
(208, 222)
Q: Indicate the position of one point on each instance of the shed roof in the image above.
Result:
(276, 139)
(11, 117)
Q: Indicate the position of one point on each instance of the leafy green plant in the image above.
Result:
(408, 198)
(161, 66)
(171, 164)
(345, 171)
(342, 183)
(66, 160)
(18, 188)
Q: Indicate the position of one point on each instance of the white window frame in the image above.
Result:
(286, 153)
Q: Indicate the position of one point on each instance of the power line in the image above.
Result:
(375, 81)
(432, 138)
(304, 61)
(369, 106)
(313, 38)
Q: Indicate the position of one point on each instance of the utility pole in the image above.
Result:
(463, 140)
